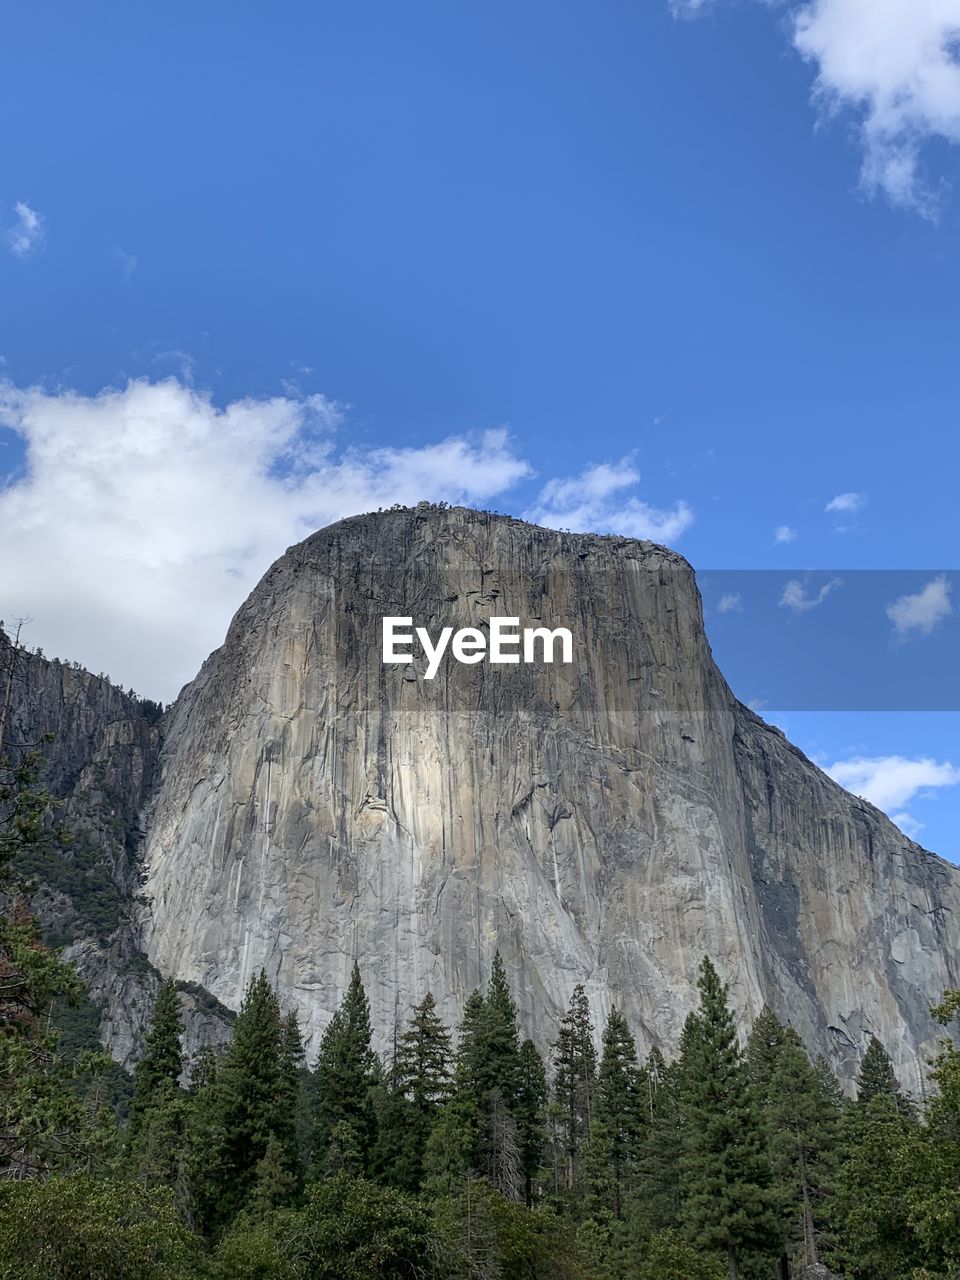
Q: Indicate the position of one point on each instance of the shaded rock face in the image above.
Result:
(99, 766)
(607, 821)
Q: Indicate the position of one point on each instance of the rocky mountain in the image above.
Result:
(607, 821)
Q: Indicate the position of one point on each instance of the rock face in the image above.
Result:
(100, 766)
(607, 821)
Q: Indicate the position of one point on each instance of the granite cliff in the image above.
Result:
(606, 821)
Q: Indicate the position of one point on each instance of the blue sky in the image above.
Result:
(684, 272)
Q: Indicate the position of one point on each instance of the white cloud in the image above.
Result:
(596, 500)
(894, 62)
(923, 611)
(144, 516)
(730, 603)
(27, 233)
(795, 597)
(891, 782)
(783, 533)
(846, 504)
(894, 65)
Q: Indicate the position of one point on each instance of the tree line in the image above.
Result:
(461, 1156)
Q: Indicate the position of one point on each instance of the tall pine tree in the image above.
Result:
(658, 1198)
(728, 1204)
(162, 1059)
(420, 1083)
(763, 1051)
(619, 1106)
(250, 1094)
(804, 1122)
(574, 1083)
(531, 1116)
(346, 1073)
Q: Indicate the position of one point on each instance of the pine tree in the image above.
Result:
(470, 1072)
(619, 1105)
(531, 1114)
(205, 1170)
(274, 1185)
(657, 1202)
(932, 1193)
(420, 1081)
(449, 1159)
(725, 1166)
(249, 1091)
(162, 1059)
(422, 1065)
(803, 1122)
(344, 1154)
(501, 1039)
(157, 1149)
(346, 1073)
(763, 1051)
(488, 1082)
(870, 1205)
(574, 1083)
(877, 1077)
(291, 1120)
(829, 1084)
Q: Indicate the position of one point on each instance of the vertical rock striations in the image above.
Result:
(605, 822)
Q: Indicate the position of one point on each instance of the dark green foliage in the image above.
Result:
(450, 1156)
(719, 1164)
(54, 1108)
(728, 1205)
(84, 1228)
(574, 1082)
(233, 1118)
(657, 1201)
(666, 1256)
(420, 1082)
(877, 1078)
(487, 1076)
(274, 1185)
(876, 1238)
(763, 1051)
(291, 1127)
(75, 1020)
(481, 1234)
(422, 1067)
(349, 1229)
(162, 1060)
(25, 835)
(619, 1108)
(346, 1072)
(531, 1110)
(157, 1145)
(804, 1121)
